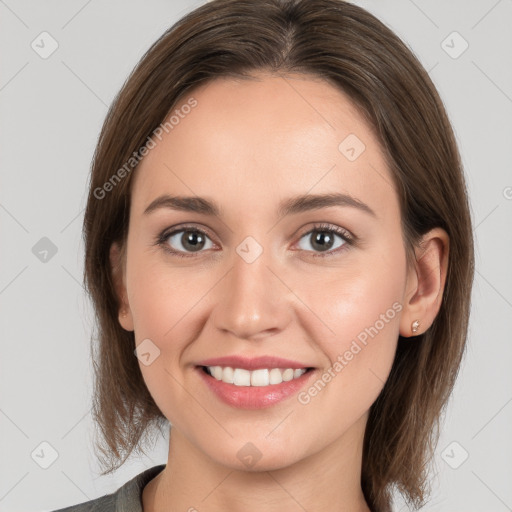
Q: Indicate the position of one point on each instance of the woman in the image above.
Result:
(279, 251)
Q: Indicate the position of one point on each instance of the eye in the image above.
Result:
(190, 240)
(322, 239)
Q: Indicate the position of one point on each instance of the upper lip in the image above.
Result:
(253, 363)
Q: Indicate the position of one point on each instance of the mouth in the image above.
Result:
(250, 381)
(260, 377)
(258, 388)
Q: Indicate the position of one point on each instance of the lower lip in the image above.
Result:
(254, 397)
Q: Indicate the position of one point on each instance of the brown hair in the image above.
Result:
(348, 47)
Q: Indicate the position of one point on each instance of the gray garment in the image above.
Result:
(127, 498)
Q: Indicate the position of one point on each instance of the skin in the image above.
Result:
(248, 145)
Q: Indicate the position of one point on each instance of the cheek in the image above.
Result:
(162, 304)
(159, 296)
(356, 325)
(364, 303)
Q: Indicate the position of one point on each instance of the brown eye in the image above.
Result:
(187, 240)
(325, 239)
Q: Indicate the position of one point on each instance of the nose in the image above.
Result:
(252, 302)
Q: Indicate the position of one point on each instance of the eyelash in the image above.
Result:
(348, 238)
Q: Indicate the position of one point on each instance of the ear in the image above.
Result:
(118, 268)
(425, 283)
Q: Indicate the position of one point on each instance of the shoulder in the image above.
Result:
(126, 498)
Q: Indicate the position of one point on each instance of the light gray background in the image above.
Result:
(51, 114)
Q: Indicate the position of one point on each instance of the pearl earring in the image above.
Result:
(415, 325)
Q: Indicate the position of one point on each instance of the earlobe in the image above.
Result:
(125, 319)
(117, 266)
(425, 283)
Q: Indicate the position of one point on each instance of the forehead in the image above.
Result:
(274, 136)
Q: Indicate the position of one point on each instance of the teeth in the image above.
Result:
(261, 377)
(240, 377)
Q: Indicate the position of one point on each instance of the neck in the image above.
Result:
(328, 480)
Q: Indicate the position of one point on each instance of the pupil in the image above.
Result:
(326, 236)
(192, 240)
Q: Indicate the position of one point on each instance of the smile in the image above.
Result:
(254, 389)
(255, 378)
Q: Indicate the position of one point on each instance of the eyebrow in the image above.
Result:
(293, 205)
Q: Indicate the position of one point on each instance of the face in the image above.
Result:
(318, 283)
